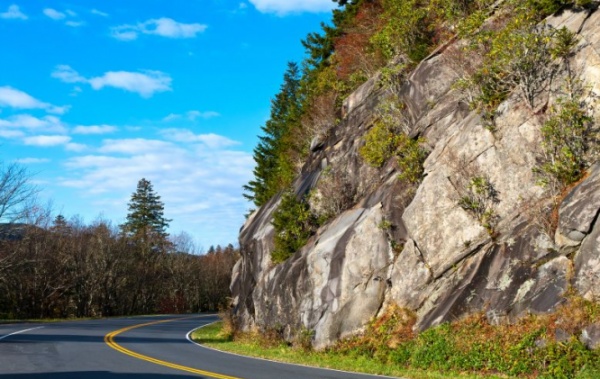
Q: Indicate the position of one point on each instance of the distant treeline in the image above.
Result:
(68, 269)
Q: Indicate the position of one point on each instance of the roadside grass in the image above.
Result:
(213, 336)
(535, 346)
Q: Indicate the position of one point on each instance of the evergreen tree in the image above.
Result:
(274, 170)
(146, 214)
(320, 46)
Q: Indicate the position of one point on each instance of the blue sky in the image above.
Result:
(95, 95)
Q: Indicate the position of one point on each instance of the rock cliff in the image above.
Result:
(419, 248)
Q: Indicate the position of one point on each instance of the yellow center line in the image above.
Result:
(109, 339)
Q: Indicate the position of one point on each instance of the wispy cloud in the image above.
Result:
(32, 160)
(76, 147)
(14, 98)
(46, 124)
(54, 14)
(99, 13)
(283, 7)
(199, 186)
(145, 83)
(94, 129)
(74, 24)
(11, 134)
(211, 140)
(191, 115)
(46, 141)
(13, 13)
(164, 27)
(137, 146)
(62, 16)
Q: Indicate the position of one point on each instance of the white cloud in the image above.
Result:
(75, 147)
(136, 146)
(94, 129)
(14, 98)
(99, 13)
(54, 14)
(13, 13)
(63, 16)
(201, 188)
(211, 140)
(283, 7)
(46, 141)
(47, 124)
(164, 27)
(32, 160)
(66, 74)
(74, 24)
(191, 115)
(145, 83)
(10, 134)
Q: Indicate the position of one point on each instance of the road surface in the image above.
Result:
(132, 348)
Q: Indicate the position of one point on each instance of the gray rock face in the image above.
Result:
(418, 248)
(591, 336)
(579, 210)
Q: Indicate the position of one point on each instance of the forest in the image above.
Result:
(51, 267)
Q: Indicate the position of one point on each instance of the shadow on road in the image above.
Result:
(97, 375)
(58, 338)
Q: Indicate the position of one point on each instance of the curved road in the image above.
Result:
(134, 348)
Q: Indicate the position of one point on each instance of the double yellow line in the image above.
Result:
(109, 339)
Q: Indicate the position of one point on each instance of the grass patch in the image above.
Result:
(216, 337)
(536, 346)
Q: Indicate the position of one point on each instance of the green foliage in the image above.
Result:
(405, 30)
(274, 170)
(564, 43)
(380, 144)
(479, 198)
(146, 213)
(524, 348)
(386, 139)
(518, 52)
(569, 138)
(517, 55)
(320, 46)
(294, 223)
(410, 154)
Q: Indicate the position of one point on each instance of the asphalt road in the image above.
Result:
(134, 348)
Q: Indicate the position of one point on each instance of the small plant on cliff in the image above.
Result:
(479, 198)
(334, 193)
(294, 223)
(387, 138)
(475, 191)
(570, 143)
(517, 52)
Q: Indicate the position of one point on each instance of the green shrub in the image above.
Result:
(479, 197)
(380, 144)
(294, 223)
(405, 30)
(525, 348)
(568, 140)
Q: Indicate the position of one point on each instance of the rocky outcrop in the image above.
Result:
(418, 248)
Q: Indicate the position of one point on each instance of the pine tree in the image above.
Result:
(273, 170)
(146, 214)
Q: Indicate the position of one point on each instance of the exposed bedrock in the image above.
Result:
(417, 247)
